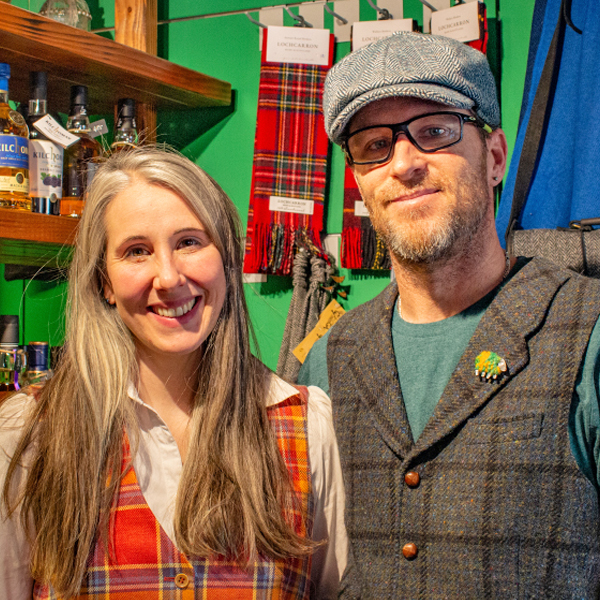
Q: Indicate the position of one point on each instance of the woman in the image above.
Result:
(162, 457)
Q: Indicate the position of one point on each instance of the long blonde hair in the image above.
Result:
(235, 494)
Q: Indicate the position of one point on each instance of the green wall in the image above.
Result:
(227, 47)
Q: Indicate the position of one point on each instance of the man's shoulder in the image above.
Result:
(567, 281)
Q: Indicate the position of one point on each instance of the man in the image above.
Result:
(465, 394)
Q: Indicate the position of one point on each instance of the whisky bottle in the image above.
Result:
(82, 159)
(13, 360)
(126, 136)
(14, 149)
(45, 157)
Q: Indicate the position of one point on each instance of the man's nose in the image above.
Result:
(407, 159)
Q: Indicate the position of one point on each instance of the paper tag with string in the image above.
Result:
(328, 318)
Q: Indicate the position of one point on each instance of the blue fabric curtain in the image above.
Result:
(566, 181)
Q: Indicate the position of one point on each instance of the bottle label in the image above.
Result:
(18, 183)
(14, 151)
(54, 131)
(45, 169)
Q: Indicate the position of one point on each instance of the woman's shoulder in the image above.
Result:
(13, 416)
(319, 415)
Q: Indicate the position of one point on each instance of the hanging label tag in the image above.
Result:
(360, 210)
(365, 32)
(291, 205)
(55, 131)
(98, 128)
(461, 22)
(301, 45)
(329, 317)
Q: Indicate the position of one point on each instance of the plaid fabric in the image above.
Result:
(146, 565)
(362, 248)
(290, 160)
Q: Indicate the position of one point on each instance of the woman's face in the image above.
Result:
(165, 275)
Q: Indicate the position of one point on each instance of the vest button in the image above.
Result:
(181, 580)
(412, 479)
(410, 551)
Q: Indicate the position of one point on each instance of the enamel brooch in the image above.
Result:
(488, 365)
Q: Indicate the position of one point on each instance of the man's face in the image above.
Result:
(426, 207)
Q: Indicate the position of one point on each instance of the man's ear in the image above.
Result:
(497, 152)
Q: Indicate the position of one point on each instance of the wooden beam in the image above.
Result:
(136, 25)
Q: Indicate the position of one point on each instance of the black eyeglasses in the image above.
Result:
(428, 133)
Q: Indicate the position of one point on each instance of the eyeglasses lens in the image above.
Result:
(428, 133)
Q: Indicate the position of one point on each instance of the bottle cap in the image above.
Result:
(9, 329)
(79, 95)
(126, 108)
(38, 85)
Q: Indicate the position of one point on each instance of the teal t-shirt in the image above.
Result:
(427, 354)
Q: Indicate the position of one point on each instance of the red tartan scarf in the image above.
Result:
(145, 564)
(290, 161)
(362, 248)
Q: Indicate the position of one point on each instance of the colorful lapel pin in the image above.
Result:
(488, 365)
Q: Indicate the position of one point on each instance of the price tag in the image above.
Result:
(461, 22)
(301, 45)
(365, 32)
(98, 128)
(360, 210)
(328, 318)
(291, 205)
(55, 131)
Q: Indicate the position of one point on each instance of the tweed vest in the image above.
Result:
(494, 502)
(146, 564)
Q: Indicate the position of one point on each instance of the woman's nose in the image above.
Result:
(168, 275)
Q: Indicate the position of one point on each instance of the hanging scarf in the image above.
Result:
(362, 248)
(290, 161)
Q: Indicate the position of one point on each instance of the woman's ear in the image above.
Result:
(109, 297)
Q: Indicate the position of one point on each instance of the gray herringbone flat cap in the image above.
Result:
(424, 66)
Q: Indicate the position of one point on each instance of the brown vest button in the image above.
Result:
(412, 479)
(181, 580)
(410, 551)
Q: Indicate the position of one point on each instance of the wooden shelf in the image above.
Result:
(34, 239)
(30, 42)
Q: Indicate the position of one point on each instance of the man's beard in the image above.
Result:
(418, 238)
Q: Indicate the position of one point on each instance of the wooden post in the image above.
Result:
(136, 26)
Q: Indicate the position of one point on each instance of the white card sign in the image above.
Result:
(365, 32)
(461, 22)
(300, 45)
(291, 205)
(360, 210)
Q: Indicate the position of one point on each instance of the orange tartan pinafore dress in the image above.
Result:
(146, 564)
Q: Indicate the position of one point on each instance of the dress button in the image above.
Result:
(412, 479)
(410, 551)
(181, 580)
